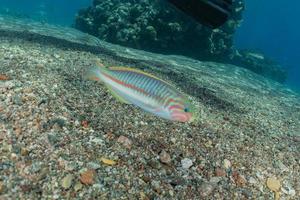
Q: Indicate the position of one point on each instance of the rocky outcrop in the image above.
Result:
(157, 26)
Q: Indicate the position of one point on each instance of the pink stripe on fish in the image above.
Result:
(125, 84)
(173, 107)
(171, 100)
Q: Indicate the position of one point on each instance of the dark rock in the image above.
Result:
(176, 180)
(157, 26)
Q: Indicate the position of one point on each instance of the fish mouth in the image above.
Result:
(182, 116)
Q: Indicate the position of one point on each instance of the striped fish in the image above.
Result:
(144, 90)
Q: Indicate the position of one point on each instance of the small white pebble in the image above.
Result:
(77, 123)
(292, 192)
(252, 180)
(186, 163)
(173, 140)
(226, 164)
(288, 190)
(259, 175)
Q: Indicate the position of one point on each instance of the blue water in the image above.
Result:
(60, 12)
(272, 26)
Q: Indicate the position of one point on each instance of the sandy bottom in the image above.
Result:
(63, 137)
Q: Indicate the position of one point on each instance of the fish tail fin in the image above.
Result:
(94, 73)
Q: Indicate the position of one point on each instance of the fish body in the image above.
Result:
(145, 91)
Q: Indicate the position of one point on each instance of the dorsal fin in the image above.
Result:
(139, 72)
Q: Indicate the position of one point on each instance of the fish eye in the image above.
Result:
(186, 110)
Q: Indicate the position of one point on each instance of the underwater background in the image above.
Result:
(273, 27)
(231, 129)
(270, 27)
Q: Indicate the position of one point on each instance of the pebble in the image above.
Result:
(4, 77)
(7, 84)
(56, 56)
(1, 187)
(97, 186)
(60, 121)
(171, 193)
(43, 174)
(156, 186)
(17, 100)
(154, 164)
(87, 177)
(174, 181)
(215, 180)
(220, 172)
(226, 164)
(206, 188)
(6, 147)
(173, 140)
(127, 143)
(292, 192)
(208, 144)
(66, 182)
(70, 166)
(84, 123)
(93, 165)
(252, 181)
(143, 196)
(274, 185)
(143, 123)
(239, 179)
(24, 152)
(289, 191)
(281, 166)
(36, 167)
(108, 161)
(97, 141)
(260, 176)
(247, 193)
(186, 163)
(13, 156)
(78, 186)
(164, 157)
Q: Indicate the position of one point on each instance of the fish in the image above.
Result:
(144, 90)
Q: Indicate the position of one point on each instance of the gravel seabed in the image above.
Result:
(56, 128)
